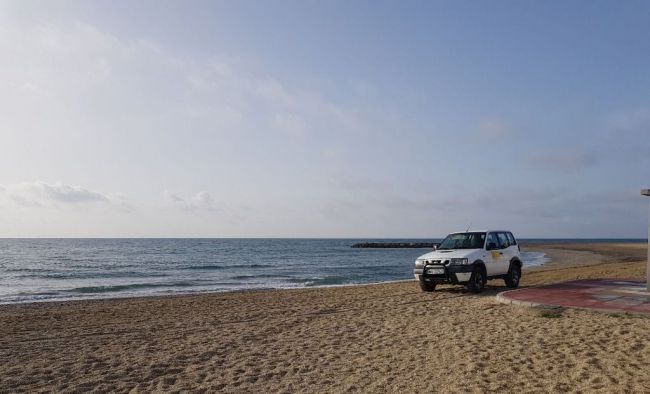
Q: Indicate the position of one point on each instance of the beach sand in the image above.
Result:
(374, 338)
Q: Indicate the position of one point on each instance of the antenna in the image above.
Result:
(468, 227)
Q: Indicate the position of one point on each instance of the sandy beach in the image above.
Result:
(373, 338)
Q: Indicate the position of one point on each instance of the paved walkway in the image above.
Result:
(612, 295)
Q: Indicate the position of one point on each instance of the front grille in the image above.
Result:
(422, 263)
(441, 274)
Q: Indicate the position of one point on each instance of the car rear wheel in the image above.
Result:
(427, 286)
(514, 274)
(477, 280)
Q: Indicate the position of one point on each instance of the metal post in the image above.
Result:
(646, 192)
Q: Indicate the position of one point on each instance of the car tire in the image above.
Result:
(513, 276)
(427, 286)
(477, 280)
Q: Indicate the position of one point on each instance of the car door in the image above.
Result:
(507, 249)
(494, 258)
(514, 247)
(498, 253)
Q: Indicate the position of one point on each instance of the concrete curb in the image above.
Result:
(503, 298)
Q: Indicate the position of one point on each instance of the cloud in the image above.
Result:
(138, 86)
(635, 121)
(43, 194)
(494, 129)
(290, 124)
(148, 108)
(628, 134)
(200, 201)
(379, 209)
(561, 161)
(369, 197)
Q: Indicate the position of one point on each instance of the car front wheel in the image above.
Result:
(477, 280)
(427, 286)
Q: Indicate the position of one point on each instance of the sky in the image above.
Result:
(324, 118)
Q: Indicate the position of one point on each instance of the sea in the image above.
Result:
(34, 270)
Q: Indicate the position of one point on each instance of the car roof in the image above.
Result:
(482, 231)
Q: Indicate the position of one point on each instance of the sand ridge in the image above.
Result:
(376, 338)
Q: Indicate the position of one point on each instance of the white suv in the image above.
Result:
(471, 258)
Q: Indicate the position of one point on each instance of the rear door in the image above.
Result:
(499, 254)
(508, 248)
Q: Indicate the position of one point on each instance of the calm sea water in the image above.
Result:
(66, 269)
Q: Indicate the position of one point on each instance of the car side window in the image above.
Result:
(511, 238)
(503, 240)
(478, 241)
(491, 238)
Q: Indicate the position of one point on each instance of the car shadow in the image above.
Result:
(488, 291)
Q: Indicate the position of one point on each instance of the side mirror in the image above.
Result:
(435, 246)
(491, 246)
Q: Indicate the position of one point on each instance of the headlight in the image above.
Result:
(459, 261)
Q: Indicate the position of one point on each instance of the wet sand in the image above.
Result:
(376, 338)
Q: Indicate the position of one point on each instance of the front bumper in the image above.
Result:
(454, 274)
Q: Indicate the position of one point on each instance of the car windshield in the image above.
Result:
(463, 241)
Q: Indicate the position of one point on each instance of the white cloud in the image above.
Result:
(635, 121)
(628, 134)
(290, 124)
(80, 102)
(563, 162)
(200, 201)
(494, 129)
(86, 80)
(43, 194)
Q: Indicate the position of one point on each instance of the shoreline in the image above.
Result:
(358, 338)
(200, 293)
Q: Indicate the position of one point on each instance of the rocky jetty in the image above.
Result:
(429, 245)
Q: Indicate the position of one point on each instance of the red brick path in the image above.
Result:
(614, 295)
